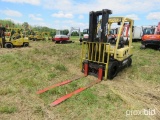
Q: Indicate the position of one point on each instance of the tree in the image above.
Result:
(25, 26)
(53, 33)
(65, 32)
(75, 33)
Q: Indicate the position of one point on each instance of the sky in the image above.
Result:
(64, 14)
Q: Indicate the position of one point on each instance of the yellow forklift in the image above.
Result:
(103, 54)
(13, 37)
(41, 36)
(31, 35)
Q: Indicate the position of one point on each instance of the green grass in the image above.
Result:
(26, 70)
(8, 109)
(60, 67)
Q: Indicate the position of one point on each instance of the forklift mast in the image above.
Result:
(94, 18)
(2, 36)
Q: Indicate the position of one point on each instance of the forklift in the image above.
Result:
(12, 38)
(103, 54)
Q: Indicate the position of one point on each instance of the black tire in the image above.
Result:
(129, 62)
(30, 38)
(112, 69)
(8, 45)
(142, 46)
(25, 44)
(56, 42)
(34, 39)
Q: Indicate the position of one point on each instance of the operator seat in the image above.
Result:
(111, 38)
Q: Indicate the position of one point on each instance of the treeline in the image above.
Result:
(29, 28)
(75, 33)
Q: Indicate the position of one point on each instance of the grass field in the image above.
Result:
(23, 71)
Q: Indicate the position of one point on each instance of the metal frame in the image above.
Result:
(122, 20)
(95, 56)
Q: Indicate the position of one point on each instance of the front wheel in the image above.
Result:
(35, 39)
(8, 45)
(25, 44)
(112, 69)
(129, 62)
(57, 42)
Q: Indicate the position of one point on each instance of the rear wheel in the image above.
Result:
(34, 39)
(112, 69)
(25, 44)
(129, 62)
(8, 45)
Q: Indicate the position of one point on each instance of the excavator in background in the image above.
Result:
(60, 37)
(13, 37)
(103, 55)
(151, 37)
(85, 35)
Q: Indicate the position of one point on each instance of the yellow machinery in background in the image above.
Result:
(13, 37)
(105, 54)
(31, 35)
(40, 36)
(46, 36)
